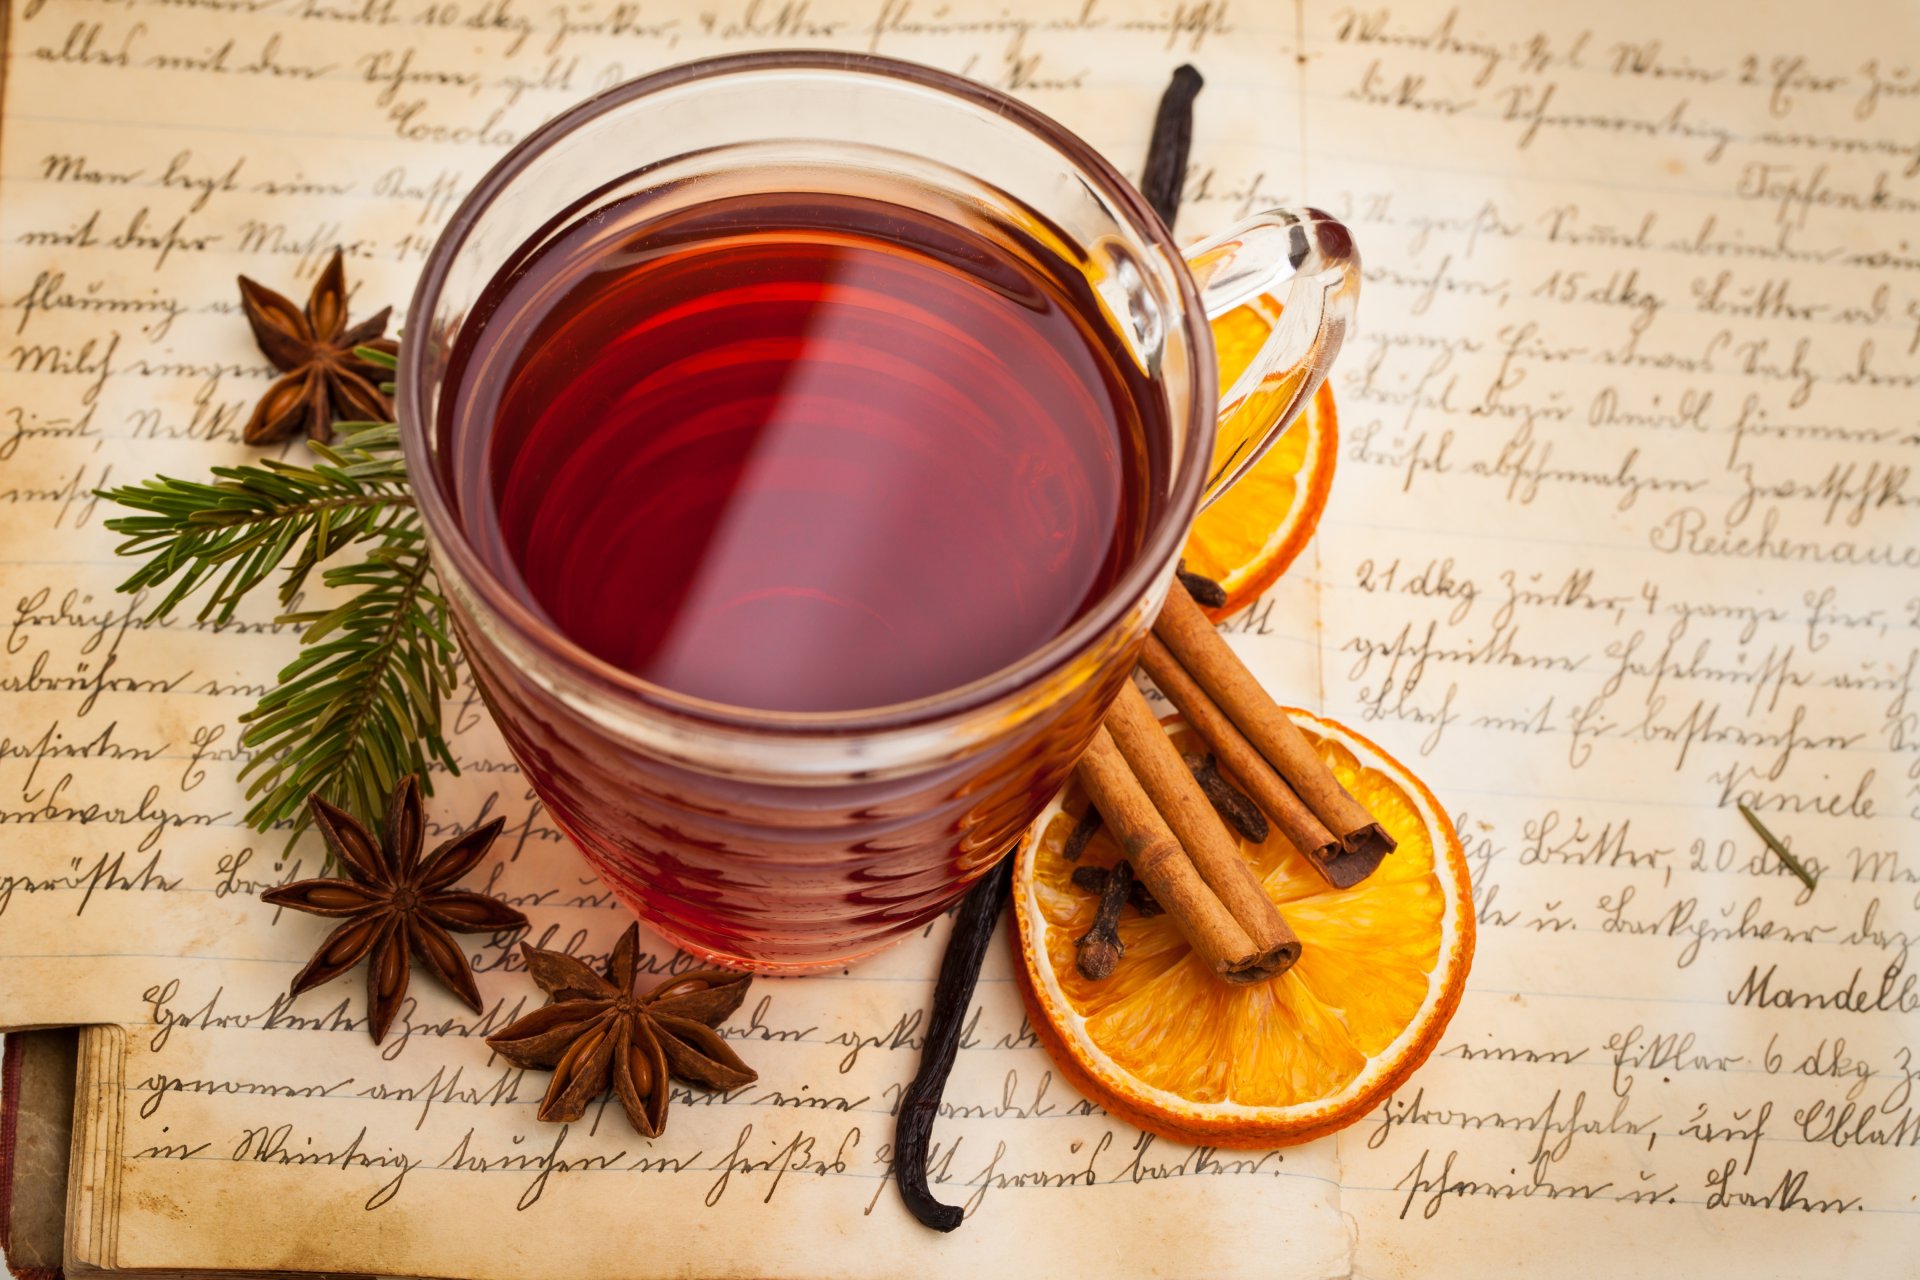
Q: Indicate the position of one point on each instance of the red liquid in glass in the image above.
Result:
(792, 453)
(796, 453)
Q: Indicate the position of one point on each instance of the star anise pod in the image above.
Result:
(397, 905)
(596, 1031)
(321, 379)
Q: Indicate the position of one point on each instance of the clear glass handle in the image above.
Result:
(1307, 258)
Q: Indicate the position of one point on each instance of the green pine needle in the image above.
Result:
(235, 532)
(1780, 850)
(359, 707)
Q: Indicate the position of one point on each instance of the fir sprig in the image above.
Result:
(237, 530)
(359, 707)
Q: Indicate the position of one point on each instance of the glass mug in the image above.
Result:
(793, 841)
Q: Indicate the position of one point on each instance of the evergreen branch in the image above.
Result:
(235, 532)
(360, 707)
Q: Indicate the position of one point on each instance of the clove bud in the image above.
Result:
(1098, 950)
(1082, 832)
(1233, 805)
(1093, 880)
(1206, 593)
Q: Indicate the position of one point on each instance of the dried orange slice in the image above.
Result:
(1165, 1045)
(1246, 540)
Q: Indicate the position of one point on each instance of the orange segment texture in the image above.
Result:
(1249, 537)
(1164, 1043)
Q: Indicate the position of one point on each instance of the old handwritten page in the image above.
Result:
(150, 156)
(1625, 536)
(152, 151)
(1622, 537)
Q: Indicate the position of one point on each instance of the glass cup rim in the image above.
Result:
(455, 553)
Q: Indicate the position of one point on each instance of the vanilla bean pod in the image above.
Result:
(1165, 174)
(1162, 181)
(952, 995)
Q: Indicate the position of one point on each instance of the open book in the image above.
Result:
(1623, 536)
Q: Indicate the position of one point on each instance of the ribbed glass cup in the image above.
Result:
(785, 841)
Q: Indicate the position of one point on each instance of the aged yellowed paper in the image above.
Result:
(1625, 536)
(150, 154)
(1622, 536)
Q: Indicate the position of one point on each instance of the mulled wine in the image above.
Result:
(809, 452)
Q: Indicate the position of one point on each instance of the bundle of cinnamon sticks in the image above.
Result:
(1169, 830)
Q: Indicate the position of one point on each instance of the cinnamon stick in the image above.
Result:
(1241, 758)
(1215, 853)
(1191, 639)
(1158, 859)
